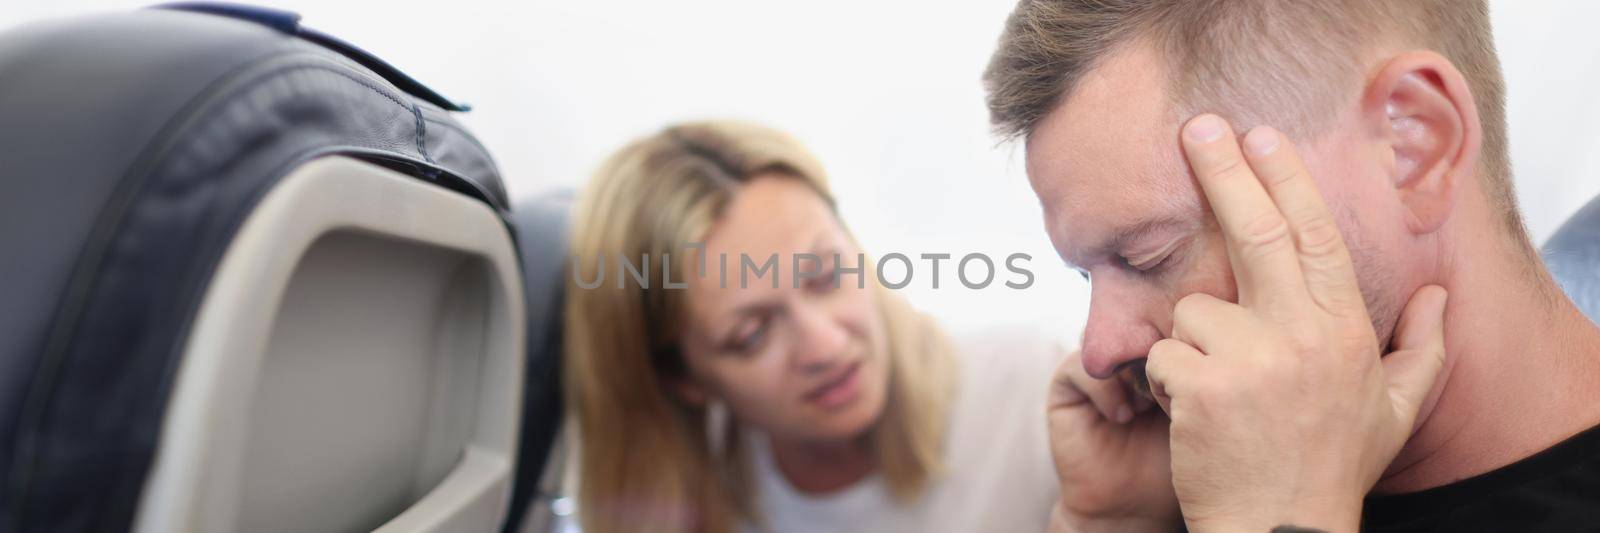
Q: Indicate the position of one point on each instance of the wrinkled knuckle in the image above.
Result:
(1319, 237)
(1162, 351)
(1343, 298)
(1265, 235)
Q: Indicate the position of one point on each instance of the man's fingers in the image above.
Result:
(1170, 362)
(1073, 387)
(1324, 260)
(1260, 246)
(1208, 323)
(1414, 366)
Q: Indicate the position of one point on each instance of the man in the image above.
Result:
(1216, 271)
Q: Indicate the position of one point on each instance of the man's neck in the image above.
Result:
(1522, 372)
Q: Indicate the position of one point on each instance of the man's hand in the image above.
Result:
(1110, 451)
(1283, 411)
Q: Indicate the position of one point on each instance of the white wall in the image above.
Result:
(886, 92)
(1550, 53)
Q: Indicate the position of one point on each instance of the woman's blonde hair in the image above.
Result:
(649, 460)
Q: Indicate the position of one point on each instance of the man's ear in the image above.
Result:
(1420, 105)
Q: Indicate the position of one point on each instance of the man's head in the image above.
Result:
(1396, 106)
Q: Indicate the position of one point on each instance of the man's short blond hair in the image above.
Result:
(1293, 61)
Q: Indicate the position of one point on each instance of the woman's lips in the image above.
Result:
(838, 391)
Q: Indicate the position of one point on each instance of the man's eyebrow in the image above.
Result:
(1132, 233)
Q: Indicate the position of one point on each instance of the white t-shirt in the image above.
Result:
(997, 476)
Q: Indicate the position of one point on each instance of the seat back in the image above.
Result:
(1573, 256)
(541, 226)
(355, 364)
(257, 280)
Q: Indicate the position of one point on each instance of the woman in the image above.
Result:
(710, 401)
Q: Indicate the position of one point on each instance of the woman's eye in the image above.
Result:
(749, 337)
(823, 282)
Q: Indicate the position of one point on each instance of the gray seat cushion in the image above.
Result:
(1573, 256)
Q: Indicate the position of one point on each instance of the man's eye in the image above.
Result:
(1155, 265)
(1148, 267)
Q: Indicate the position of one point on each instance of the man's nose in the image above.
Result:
(1116, 334)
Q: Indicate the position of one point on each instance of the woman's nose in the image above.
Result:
(821, 341)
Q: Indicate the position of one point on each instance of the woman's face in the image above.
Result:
(805, 361)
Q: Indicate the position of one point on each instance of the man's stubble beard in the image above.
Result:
(1378, 284)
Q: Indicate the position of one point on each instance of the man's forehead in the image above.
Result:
(1107, 159)
(1117, 120)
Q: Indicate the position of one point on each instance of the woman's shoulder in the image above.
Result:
(998, 435)
(1003, 369)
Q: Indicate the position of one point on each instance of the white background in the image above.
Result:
(886, 93)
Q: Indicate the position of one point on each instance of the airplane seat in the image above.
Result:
(253, 279)
(541, 224)
(1573, 256)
